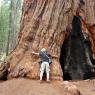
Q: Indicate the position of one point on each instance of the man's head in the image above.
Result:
(43, 49)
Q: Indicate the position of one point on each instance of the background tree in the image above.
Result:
(10, 14)
(15, 16)
(4, 27)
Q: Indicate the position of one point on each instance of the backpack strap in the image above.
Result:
(46, 55)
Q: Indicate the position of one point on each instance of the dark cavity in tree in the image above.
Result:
(73, 58)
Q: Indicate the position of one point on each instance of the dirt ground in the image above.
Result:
(87, 87)
(33, 87)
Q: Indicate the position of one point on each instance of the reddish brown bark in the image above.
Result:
(37, 31)
(43, 24)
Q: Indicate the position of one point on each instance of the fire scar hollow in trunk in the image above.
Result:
(76, 54)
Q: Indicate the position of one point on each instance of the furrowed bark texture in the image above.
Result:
(90, 21)
(43, 24)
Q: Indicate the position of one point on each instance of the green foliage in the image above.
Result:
(10, 14)
(4, 26)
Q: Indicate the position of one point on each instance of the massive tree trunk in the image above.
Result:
(43, 24)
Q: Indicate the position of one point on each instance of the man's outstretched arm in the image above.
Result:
(35, 53)
(54, 56)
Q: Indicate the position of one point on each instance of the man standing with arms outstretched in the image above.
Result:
(45, 63)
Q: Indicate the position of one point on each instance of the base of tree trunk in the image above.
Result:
(4, 71)
(29, 68)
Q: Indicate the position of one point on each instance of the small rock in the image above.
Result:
(71, 89)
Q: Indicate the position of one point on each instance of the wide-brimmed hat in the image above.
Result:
(43, 49)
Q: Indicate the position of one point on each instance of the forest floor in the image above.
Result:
(33, 87)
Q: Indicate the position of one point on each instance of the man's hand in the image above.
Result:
(35, 53)
(55, 56)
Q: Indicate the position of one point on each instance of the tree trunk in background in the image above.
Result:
(43, 24)
(15, 16)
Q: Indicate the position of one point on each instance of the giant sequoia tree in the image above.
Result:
(43, 24)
